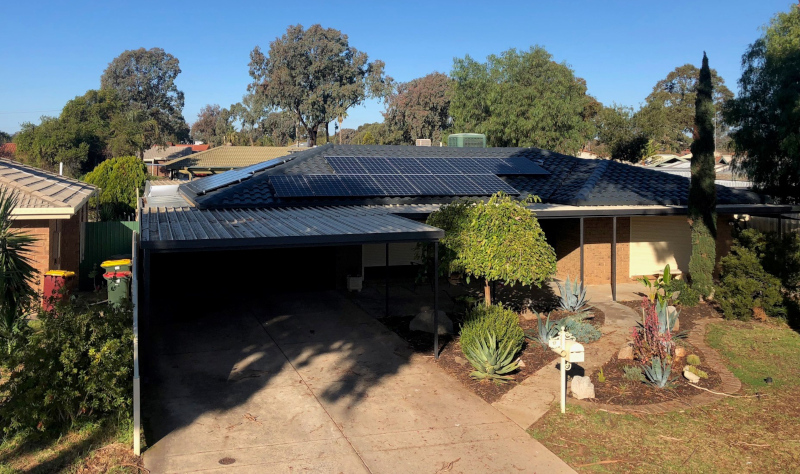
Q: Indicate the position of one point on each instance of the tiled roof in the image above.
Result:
(572, 181)
(228, 157)
(41, 189)
(167, 153)
(8, 149)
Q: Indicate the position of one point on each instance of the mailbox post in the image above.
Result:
(570, 351)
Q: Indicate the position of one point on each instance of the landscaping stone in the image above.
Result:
(582, 387)
(626, 353)
(424, 322)
(460, 360)
(680, 352)
(694, 378)
(521, 362)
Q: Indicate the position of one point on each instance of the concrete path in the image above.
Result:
(312, 383)
(533, 397)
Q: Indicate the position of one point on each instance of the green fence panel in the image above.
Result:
(101, 241)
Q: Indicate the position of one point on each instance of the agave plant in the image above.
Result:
(666, 319)
(546, 330)
(573, 296)
(492, 362)
(658, 373)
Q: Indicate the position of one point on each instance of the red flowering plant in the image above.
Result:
(649, 341)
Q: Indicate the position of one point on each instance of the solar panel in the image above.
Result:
(290, 186)
(429, 185)
(491, 184)
(362, 185)
(409, 166)
(437, 166)
(345, 165)
(466, 165)
(204, 185)
(395, 185)
(462, 185)
(375, 165)
(327, 185)
(524, 166)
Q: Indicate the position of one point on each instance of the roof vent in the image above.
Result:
(423, 142)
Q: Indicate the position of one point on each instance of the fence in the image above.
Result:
(783, 224)
(102, 240)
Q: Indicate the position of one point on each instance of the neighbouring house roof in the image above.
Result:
(571, 181)
(8, 150)
(43, 194)
(191, 228)
(228, 157)
(197, 148)
(158, 153)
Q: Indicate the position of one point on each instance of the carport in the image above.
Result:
(188, 229)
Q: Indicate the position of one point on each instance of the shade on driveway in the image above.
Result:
(309, 382)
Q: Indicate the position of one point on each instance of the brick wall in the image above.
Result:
(40, 254)
(564, 236)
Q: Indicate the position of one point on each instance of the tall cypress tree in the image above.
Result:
(702, 191)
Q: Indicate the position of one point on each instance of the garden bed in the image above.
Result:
(452, 360)
(688, 316)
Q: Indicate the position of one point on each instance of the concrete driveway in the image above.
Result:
(311, 383)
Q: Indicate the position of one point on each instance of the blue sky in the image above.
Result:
(51, 52)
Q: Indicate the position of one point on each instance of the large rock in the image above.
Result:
(680, 352)
(690, 376)
(626, 352)
(582, 387)
(424, 322)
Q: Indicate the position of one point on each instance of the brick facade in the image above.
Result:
(58, 244)
(564, 236)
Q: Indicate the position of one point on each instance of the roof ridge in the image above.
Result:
(588, 186)
(55, 179)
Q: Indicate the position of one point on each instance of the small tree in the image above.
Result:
(17, 275)
(118, 180)
(702, 190)
(500, 239)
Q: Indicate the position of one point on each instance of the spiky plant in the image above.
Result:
(666, 319)
(492, 362)
(17, 275)
(546, 329)
(658, 373)
(573, 296)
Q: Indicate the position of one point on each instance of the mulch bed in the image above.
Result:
(618, 390)
(452, 360)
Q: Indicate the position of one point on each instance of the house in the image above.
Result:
(8, 150)
(342, 210)
(220, 159)
(50, 208)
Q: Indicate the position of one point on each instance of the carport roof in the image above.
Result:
(189, 228)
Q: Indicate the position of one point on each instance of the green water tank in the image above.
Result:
(467, 140)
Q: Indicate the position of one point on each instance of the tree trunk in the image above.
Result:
(312, 136)
(487, 292)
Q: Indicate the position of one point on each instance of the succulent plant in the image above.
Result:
(584, 332)
(633, 372)
(491, 361)
(546, 330)
(573, 296)
(698, 372)
(658, 373)
(666, 319)
(693, 359)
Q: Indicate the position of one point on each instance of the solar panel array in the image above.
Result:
(204, 185)
(387, 185)
(435, 166)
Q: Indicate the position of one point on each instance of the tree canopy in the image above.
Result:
(145, 82)
(619, 135)
(315, 74)
(420, 108)
(672, 104)
(522, 99)
(118, 180)
(498, 239)
(766, 113)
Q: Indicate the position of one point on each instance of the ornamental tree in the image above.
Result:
(118, 180)
(499, 239)
(702, 190)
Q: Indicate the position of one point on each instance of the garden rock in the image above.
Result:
(582, 387)
(680, 352)
(626, 353)
(460, 360)
(694, 378)
(424, 322)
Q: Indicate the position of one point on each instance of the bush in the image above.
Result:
(780, 256)
(745, 285)
(77, 365)
(687, 296)
(484, 320)
(118, 180)
(584, 332)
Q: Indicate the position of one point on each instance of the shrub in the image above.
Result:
(77, 365)
(652, 338)
(583, 331)
(779, 255)
(700, 373)
(633, 372)
(118, 179)
(497, 320)
(744, 285)
(687, 296)
(492, 360)
(693, 359)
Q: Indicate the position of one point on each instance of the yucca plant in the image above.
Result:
(546, 329)
(666, 320)
(492, 362)
(658, 373)
(573, 296)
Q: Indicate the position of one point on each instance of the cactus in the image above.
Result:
(492, 362)
(693, 359)
(633, 372)
(658, 373)
(700, 373)
(573, 296)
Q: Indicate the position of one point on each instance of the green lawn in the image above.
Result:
(754, 434)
